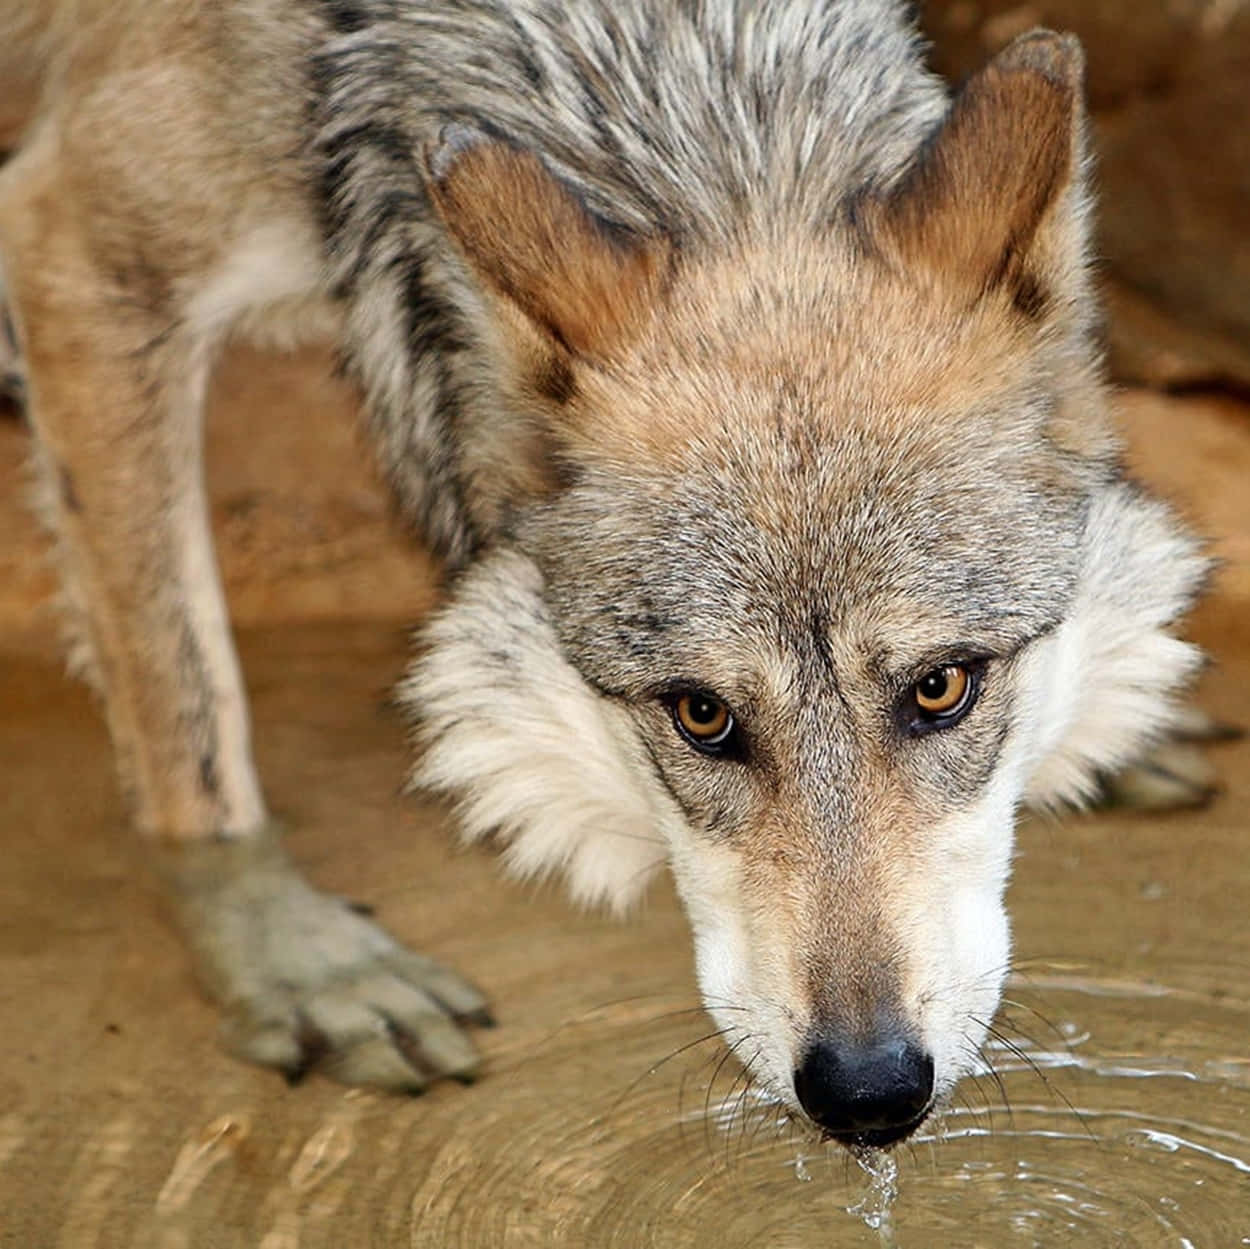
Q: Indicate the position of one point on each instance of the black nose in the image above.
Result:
(872, 1093)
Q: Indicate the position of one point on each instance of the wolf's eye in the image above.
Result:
(703, 720)
(944, 694)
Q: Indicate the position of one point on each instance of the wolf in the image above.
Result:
(745, 379)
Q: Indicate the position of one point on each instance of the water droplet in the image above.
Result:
(874, 1207)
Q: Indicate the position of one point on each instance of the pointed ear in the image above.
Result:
(530, 239)
(996, 198)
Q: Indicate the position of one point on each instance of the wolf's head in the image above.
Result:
(819, 565)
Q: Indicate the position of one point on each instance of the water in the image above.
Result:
(1133, 1130)
(876, 1206)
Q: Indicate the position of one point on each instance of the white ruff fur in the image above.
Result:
(1109, 685)
(532, 755)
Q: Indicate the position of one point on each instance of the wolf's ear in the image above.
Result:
(995, 199)
(530, 239)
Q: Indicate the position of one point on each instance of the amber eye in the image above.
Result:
(944, 692)
(704, 721)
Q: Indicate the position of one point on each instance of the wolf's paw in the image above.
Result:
(1177, 773)
(306, 982)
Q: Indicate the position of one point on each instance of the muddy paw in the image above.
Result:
(305, 982)
(1177, 773)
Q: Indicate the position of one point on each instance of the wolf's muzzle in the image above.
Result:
(865, 1093)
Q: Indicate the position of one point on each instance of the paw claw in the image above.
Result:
(1194, 725)
(480, 1018)
(263, 1040)
(433, 1045)
(461, 1000)
(377, 1064)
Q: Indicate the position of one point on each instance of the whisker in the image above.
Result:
(1051, 1088)
(1006, 1021)
(1037, 1014)
(650, 1071)
(743, 1074)
(739, 1107)
(761, 1121)
(999, 1084)
(707, 1100)
(718, 1056)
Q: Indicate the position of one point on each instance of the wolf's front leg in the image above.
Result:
(115, 378)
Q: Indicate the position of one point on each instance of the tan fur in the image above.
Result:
(728, 328)
(973, 206)
(96, 259)
(531, 241)
(112, 519)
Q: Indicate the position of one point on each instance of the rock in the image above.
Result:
(1169, 89)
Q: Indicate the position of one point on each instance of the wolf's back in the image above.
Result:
(679, 117)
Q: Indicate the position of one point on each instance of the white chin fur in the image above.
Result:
(531, 755)
(1107, 685)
